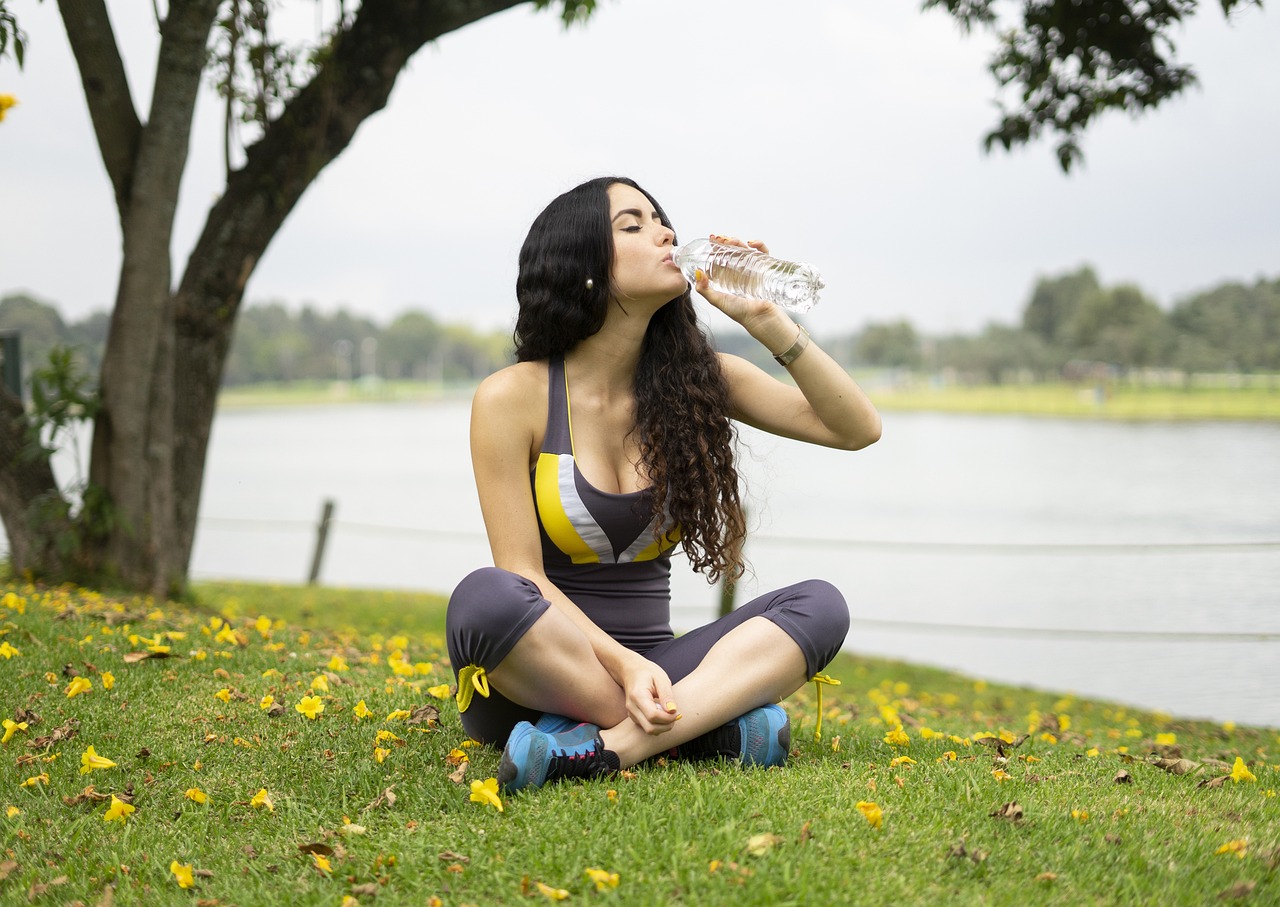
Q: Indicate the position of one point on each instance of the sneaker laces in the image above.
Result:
(582, 764)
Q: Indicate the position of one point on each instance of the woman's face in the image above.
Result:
(642, 244)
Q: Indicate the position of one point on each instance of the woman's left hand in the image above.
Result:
(739, 308)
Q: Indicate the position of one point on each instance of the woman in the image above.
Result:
(606, 445)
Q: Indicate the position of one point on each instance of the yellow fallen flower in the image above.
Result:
(182, 873)
(1239, 847)
(261, 799)
(486, 791)
(196, 795)
(108, 680)
(311, 706)
(873, 814)
(554, 894)
(603, 880)
(12, 727)
(361, 710)
(90, 760)
(897, 737)
(1239, 771)
(77, 686)
(118, 810)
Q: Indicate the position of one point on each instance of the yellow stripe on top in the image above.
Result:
(558, 526)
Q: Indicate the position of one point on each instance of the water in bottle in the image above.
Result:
(746, 272)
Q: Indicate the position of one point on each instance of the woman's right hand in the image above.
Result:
(650, 701)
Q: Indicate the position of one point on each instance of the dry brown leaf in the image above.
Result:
(960, 852)
(1213, 782)
(316, 847)
(57, 735)
(1112, 839)
(135, 657)
(1176, 766)
(202, 873)
(368, 889)
(424, 714)
(222, 673)
(1047, 877)
(39, 889)
(108, 897)
(1238, 890)
(20, 715)
(450, 857)
(275, 710)
(7, 867)
(387, 798)
(459, 773)
(89, 794)
(805, 833)
(1011, 811)
(1122, 777)
(759, 845)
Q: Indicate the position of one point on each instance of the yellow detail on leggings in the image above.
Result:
(818, 681)
(471, 679)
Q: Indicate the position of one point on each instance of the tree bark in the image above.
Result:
(34, 513)
(133, 435)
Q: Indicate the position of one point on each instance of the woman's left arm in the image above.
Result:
(826, 406)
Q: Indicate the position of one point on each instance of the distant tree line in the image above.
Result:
(1071, 327)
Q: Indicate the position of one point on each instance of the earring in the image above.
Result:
(590, 284)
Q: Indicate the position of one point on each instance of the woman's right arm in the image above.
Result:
(506, 416)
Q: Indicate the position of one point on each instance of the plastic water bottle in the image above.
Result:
(746, 272)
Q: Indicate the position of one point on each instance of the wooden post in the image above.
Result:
(322, 536)
(727, 588)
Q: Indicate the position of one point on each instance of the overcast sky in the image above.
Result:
(845, 133)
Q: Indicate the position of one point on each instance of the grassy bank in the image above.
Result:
(1074, 401)
(1061, 400)
(240, 794)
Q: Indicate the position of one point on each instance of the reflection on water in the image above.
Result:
(951, 522)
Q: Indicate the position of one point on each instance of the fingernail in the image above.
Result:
(671, 705)
(697, 273)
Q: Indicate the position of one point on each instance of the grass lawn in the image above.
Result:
(241, 796)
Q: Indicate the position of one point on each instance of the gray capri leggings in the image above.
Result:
(491, 609)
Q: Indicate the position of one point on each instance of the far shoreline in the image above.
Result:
(1107, 402)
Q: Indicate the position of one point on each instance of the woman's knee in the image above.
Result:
(827, 607)
(489, 611)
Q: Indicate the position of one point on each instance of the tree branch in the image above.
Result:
(106, 90)
(353, 82)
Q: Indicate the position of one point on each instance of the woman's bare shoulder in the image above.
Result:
(516, 390)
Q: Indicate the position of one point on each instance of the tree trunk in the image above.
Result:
(132, 454)
(165, 351)
(35, 515)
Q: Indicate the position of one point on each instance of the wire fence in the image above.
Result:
(1002, 549)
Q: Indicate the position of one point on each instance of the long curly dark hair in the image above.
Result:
(685, 435)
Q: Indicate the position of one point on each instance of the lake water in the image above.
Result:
(1134, 562)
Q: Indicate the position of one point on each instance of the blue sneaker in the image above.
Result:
(551, 723)
(533, 757)
(760, 737)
